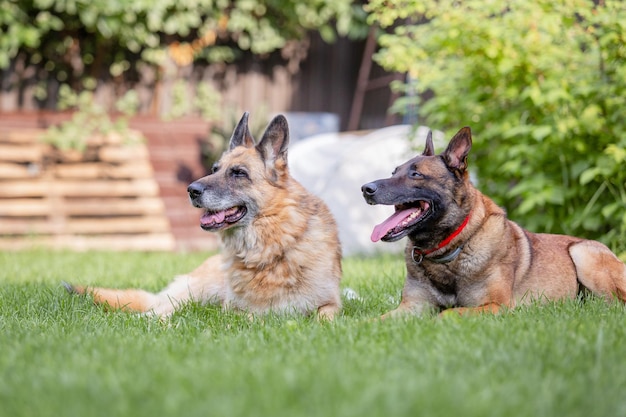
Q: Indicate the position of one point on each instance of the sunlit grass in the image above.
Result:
(62, 356)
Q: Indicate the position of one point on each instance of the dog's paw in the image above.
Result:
(490, 308)
(327, 312)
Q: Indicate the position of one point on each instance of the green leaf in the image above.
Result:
(589, 175)
(541, 132)
(610, 209)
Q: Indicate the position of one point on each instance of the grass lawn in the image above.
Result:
(62, 356)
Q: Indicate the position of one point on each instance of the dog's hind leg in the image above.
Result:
(599, 270)
(204, 284)
(128, 299)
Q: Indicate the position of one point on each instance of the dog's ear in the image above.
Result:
(455, 155)
(275, 140)
(429, 150)
(241, 135)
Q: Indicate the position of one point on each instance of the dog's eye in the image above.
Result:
(415, 174)
(215, 168)
(238, 173)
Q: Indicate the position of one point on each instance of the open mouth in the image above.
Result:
(215, 220)
(398, 224)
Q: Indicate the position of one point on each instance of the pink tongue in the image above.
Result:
(395, 219)
(209, 219)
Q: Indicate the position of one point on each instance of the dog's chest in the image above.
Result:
(447, 284)
(272, 288)
(442, 284)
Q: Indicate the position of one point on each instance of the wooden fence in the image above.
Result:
(103, 198)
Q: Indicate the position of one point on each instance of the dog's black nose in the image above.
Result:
(369, 188)
(195, 189)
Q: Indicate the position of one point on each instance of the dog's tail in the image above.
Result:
(134, 300)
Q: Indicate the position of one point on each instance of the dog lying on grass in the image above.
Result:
(280, 246)
(464, 254)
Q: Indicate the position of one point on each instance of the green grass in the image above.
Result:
(62, 356)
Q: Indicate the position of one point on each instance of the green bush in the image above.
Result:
(543, 86)
(78, 42)
(90, 120)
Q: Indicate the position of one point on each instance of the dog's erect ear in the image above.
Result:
(429, 150)
(275, 140)
(241, 135)
(455, 155)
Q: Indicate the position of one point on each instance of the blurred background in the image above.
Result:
(108, 109)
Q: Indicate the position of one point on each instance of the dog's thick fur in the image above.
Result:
(464, 254)
(280, 245)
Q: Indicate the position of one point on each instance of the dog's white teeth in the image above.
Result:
(411, 217)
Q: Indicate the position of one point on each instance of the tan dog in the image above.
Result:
(463, 252)
(280, 245)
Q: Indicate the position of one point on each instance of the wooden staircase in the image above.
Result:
(103, 198)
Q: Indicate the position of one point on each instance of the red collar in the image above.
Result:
(446, 240)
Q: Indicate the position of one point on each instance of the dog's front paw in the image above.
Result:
(405, 311)
(328, 312)
(490, 308)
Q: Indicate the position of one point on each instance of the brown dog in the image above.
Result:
(463, 252)
(280, 250)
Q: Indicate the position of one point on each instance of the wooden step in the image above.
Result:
(9, 170)
(85, 226)
(94, 170)
(140, 242)
(77, 188)
(18, 153)
(21, 136)
(24, 207)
